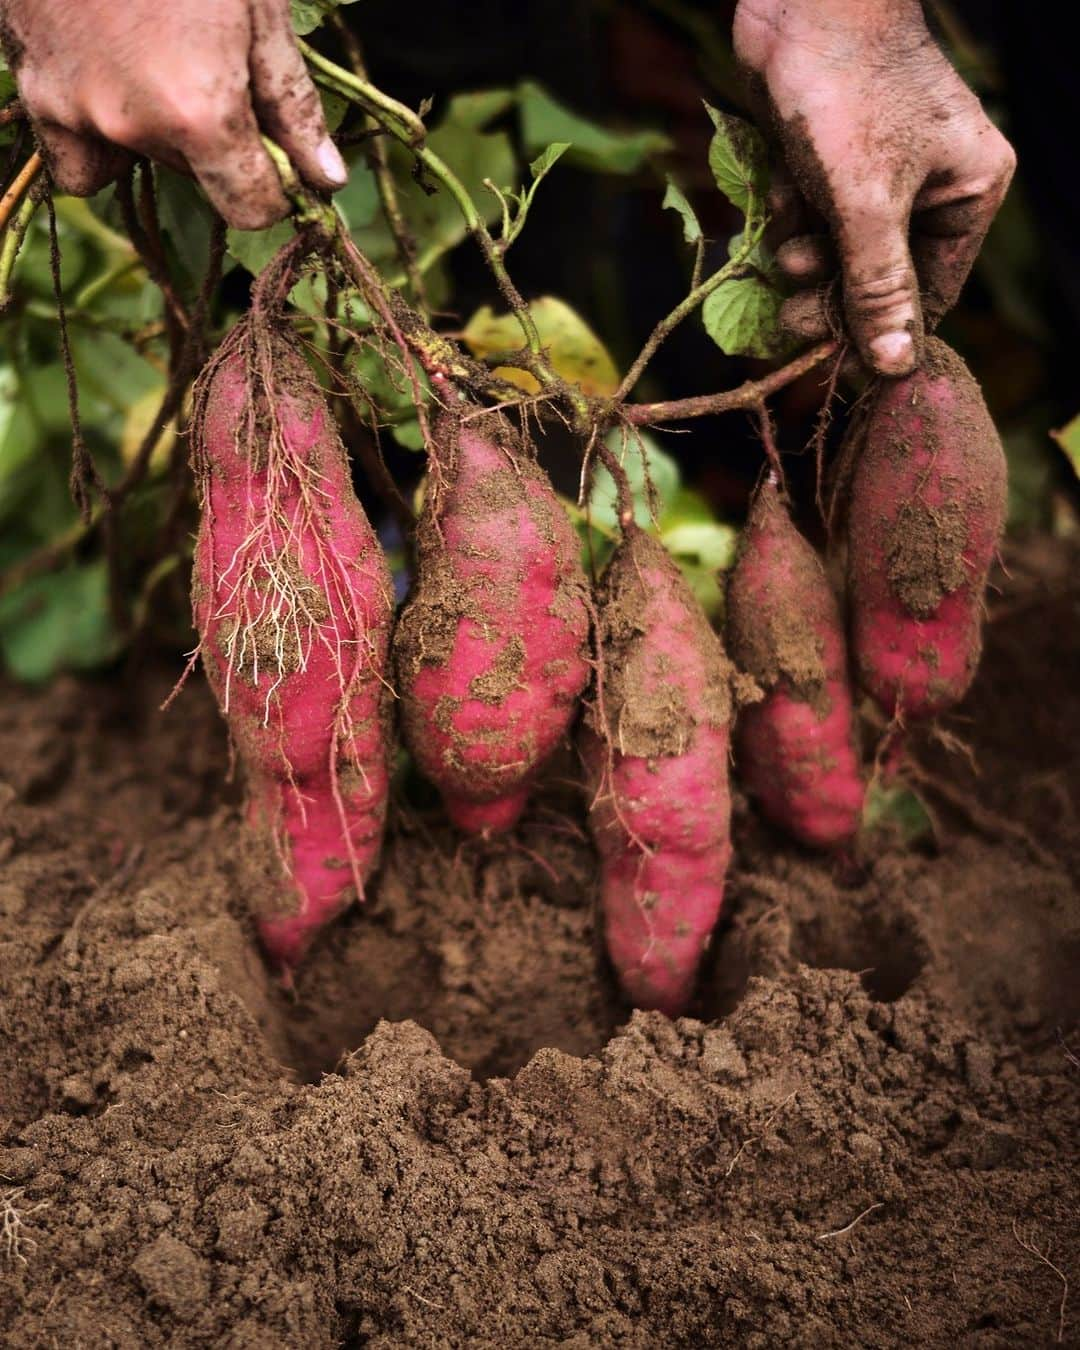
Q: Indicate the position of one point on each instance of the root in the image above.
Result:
(15, 1242)
(767, 431)
(987, 822)
(839, 1232)
(1042, 1255)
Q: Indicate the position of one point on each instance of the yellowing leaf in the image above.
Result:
(574, 350)
(137, 422)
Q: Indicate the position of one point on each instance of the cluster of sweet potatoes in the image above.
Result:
(503, 647)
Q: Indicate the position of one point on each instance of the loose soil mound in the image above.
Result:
(869, 1139)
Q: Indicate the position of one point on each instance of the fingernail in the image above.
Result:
(331, 163)
(893, 353)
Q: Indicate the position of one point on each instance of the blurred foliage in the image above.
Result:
(680, 517)
(897, 811)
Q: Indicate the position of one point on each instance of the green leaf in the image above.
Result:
(543, 120)
(760, 257)
(434, 220)
(307, 15)
(186, 220)
(476, 110)
(358, 200)
(704, 550)
(675, 200)
(1068, 437)
(388, 388)
(20, 441)
(253, 249)
(710, 542)
(637, 454)
(334, 108)
(739, 161)
(742, 316)
(899, 810)
(408, 434)
(111, 371)
(548, 159)
(58, 622)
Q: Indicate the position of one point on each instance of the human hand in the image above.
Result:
(188, 82)
(886, 141)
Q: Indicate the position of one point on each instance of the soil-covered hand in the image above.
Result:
(188, 82)
(886, 141)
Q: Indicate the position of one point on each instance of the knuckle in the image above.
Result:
(873, 202)
(115, 125)
(881, 292)
(194, 120)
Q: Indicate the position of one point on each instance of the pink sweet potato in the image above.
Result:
(795, 749)
(491, 651)
(292, 601)
(655, 745)
(924, 521)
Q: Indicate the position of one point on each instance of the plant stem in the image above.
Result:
(109, 277)
(379, 161)
(410, 128)
(13, 238)
(405, 126)
(685, 307)
(749, 395)
(19, 184)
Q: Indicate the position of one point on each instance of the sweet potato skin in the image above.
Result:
(655, 745)
(795, 748)
(925, 519)
(491, 650)
(292, 601)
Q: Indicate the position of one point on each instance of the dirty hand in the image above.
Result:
(886, 141)
(188, 82)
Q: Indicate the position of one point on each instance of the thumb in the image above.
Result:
(881, 291)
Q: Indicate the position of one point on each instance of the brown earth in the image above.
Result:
(868, 1142)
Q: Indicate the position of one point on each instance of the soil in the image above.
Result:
(452, 1134)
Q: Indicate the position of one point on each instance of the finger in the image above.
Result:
(807, 260)
(79, 165)
(227, 157)
(806, 316)
(786, 207)
(287, 102)
(946, 237)
(881, 297)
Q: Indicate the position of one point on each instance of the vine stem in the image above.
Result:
(403, 124)
(685, 308)
(380, 168)
(749, 395)
(12, 242)
(20, 183)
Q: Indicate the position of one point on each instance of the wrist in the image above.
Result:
(842, 28)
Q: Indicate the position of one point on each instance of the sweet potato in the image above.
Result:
(491, 650)
(924, 521)
(292, 601)
(795, 749)
(655, 745)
